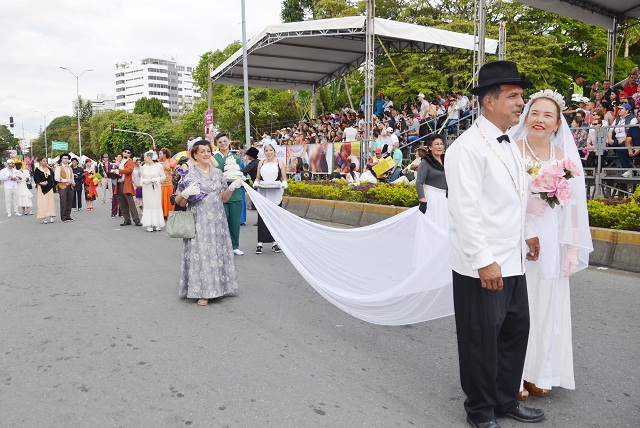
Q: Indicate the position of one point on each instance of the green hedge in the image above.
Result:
(621, 214)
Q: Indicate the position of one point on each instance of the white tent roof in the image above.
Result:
(308, 54)
(594, 12)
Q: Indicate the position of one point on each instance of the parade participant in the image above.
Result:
(24, 194)
(233, 206)
(64, 177)
(43, 177)
(9, 178)
(164, 158)
(135, 178)
(487, 187)
(251, 167)
(208, 267)
(78, 178)
(115, 209)
(125, 190)
(544, 140)
(152, 175)
(90, 184)
(270, 170)
(105, 184)
(431, 183)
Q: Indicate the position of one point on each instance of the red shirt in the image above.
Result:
(630, 90)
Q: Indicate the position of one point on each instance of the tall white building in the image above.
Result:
(167, 80)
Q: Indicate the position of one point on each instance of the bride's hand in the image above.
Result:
(536, 206)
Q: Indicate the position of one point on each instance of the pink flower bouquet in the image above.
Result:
(551, 182)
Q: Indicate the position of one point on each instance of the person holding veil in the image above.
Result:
(431, 182)
(553, 164)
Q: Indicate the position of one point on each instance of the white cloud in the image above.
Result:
(37, 37)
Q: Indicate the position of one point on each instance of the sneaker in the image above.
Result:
(8, 215)
(18, 215)
(149, 229)
(113, 216)
(30, 213)
(238, 252)
(627, 174)
(75, 209)
(51, 219)
(79, 209)
(276, 249)
(259, 249)
(69, 219)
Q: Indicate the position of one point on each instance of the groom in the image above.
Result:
(487, 188)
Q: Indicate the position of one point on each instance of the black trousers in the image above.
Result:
(66, 201)
(264, 235)
(492, 329)
(77, 196)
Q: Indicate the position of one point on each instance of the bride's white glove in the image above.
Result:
(145, 181)
(571, 261)
(284, 185)
(256, 183)
(235, 185)
(191, 190)
(536, 206)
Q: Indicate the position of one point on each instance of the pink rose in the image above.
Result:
(563, 191)
(571, 167)
(543, 183)
(553, 171)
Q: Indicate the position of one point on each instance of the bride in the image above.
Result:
(544, 140)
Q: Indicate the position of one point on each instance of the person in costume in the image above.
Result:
(43, 178)
(164, 158)
(91, 182)
(544, 141)
(24, 194)
(152, 177)
(124, 189)
(487, 189)
(431, 183)
(233, 206)
(78, 176)
(270, 170)
(64, 178)
(208, 265)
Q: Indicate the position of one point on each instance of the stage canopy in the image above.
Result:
(595, 12)
(309, 54)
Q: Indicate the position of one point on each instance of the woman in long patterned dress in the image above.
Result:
(164, 158)
(546, 144)
(43, 178)
(151, 178)
(208, 264)
(90, 184)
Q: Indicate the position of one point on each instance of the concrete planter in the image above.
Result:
(619, 249)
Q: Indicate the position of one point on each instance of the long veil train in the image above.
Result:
(394, 272)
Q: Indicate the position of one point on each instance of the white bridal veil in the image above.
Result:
(394, 272)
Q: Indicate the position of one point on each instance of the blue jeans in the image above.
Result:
(396, 174)
(412, 138)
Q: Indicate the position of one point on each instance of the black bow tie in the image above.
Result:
(503, 139)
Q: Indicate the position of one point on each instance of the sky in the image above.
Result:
(37, 37)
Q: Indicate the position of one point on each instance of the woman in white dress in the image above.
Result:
(151, 177)
(24, 194)
(271, 172)
(544, 140)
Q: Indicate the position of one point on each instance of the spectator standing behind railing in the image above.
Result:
(413, 129)
(618, 136)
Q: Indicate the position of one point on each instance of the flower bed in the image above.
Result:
(621, 214)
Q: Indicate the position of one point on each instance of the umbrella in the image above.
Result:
(179, 154)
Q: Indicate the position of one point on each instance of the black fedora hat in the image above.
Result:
(499, 73)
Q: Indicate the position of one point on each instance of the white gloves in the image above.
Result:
(536, 206)
(571, 261)
(284, 185)
(191, 190)
(158, 180)
(256, 183)
(235, 185)
(145, 181)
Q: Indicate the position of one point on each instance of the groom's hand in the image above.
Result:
(534, 249)
(491, 277)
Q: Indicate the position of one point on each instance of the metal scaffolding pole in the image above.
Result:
(611, 52)
(369, 78)
(502, 42)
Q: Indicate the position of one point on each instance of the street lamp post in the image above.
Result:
(46, 150)
(78, 106)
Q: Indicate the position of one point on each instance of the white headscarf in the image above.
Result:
(573, 229)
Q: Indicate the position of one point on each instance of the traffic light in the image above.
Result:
(113, 127)
(10, 121)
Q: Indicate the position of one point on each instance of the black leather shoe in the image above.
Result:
(126, 223)
(489, 424)
(525, 414)
(138, 224)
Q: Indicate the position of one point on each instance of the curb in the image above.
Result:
(618, 249)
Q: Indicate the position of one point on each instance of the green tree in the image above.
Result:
(153, 106)
(297, 10)
(86, 109)
(7, 140)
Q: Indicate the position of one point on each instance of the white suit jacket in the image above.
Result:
(5, 174)
(487, 202)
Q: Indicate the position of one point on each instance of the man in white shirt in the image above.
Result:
(487, 202)
(424, 106)
(625, 117)
(9, 178)
(64, 177)
(350, 133)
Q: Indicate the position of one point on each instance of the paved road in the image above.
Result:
(93, 334)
